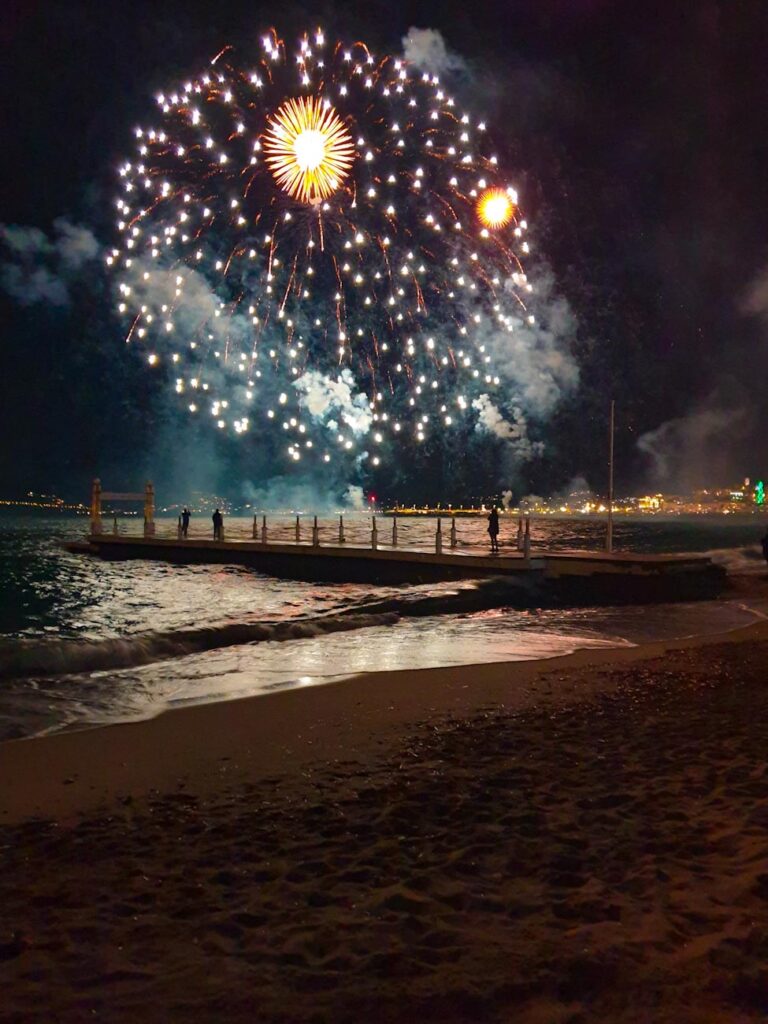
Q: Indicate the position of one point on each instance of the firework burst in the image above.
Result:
(320, 248)
(495, 208)
(309, 150)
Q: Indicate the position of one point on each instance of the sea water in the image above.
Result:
(99, 621)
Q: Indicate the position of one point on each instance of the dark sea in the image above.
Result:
(122, 639)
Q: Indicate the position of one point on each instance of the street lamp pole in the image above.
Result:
(609, 534)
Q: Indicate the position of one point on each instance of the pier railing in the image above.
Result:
(439, 534)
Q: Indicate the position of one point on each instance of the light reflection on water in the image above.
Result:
(48, 592)
(493, 636)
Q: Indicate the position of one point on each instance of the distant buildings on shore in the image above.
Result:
(746, 498)
(743, 499)
(50, 502)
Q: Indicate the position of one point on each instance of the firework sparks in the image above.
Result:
(309, 150)
(320, 246)
(495, 208)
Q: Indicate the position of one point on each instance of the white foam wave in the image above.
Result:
(25, 658)
(739, 561)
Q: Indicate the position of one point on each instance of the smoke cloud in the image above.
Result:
(41, 269)
(426, 49)
(353, 498)
(299, 495)
(576, 485)
(325, 399)
(692, 450)
(490, 420)
(755, 299)
(536, 355)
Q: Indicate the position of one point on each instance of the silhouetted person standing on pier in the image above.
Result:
(493, 530)
(764, 542)
(185, 517)
(218, 523)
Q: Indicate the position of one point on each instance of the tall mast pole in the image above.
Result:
(609, 534)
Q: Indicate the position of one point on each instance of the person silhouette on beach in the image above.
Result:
(218, 523)
(493, 530)
(764, 543)
(185, 517)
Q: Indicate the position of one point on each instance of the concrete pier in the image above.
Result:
(560, 576)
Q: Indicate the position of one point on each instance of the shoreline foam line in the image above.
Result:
(206, 746)
(22, 659)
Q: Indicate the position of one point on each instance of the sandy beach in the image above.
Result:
(584, 839)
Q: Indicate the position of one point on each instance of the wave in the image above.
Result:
(31, 657)
(24, 658)
(739, 561)
(479, 595)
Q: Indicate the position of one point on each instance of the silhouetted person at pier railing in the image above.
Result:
(764, 543)
(218, 525)
(493, 530)
(185, 517)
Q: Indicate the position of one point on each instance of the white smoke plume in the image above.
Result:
(426, 49)
(353, 498)
(535, 357)
(39, 268)
(530, 501)
(693, 450)
(327, 400)
(157, 287)
(306, 496)
(577, 485)
(75, 244)
(490, 420)
(506, 499)
(755, 299)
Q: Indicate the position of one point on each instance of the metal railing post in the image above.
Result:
(96, 506)
(374, 535)
(263, 529)
(341, 529)
(439, 538)
(454, 540)
(149, 510)
(315, 535)
(394, 531)
(527, 539)
(298, 529)
(255, 533)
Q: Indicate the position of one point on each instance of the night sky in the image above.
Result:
(637, 134)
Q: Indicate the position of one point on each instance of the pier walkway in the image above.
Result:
(537, 571)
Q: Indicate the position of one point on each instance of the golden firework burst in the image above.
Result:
(308, 149)
(495, 208)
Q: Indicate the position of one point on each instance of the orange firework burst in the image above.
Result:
(308, 149)
(495, 208)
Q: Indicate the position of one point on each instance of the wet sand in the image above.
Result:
(579, 840)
